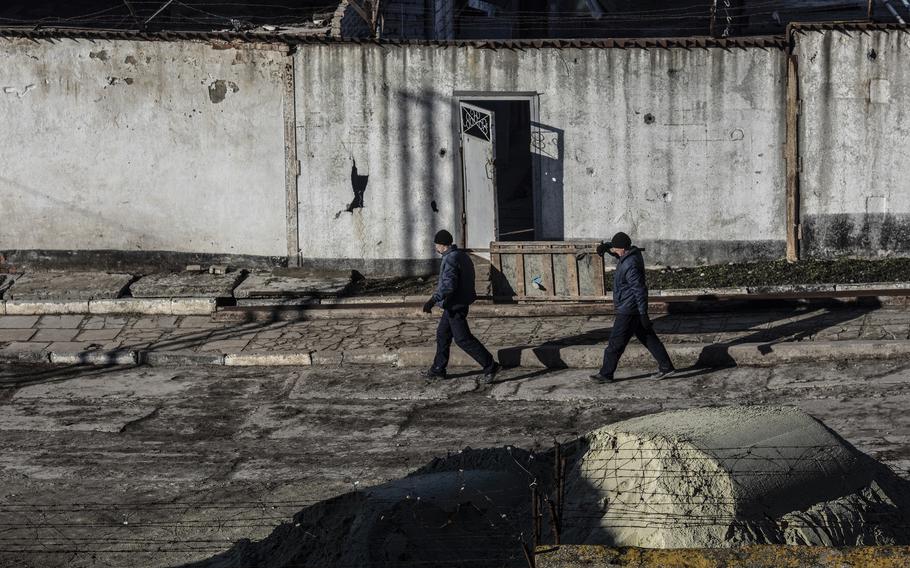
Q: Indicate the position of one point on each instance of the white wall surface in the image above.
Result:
(854, 142)
(134, 145)
(703, 181)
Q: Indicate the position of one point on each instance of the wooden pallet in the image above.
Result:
(546, 270)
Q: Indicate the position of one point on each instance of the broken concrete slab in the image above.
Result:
(269, 286)
(186, 285)
(6, 280)
(68, 286)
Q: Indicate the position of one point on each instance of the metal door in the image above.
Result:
(478, 163)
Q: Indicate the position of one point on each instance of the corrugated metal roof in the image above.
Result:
(764, 42)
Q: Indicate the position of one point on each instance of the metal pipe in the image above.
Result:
(161, 9)
(894, 13)
(554, 522)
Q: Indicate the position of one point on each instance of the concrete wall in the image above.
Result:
(854, 143)
(141, 146)
(682, 149)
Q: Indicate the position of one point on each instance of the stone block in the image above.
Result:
(328, 358)
(116, 357)
(181, 358)
(265, 285)
(68, 286)
(186, 285)
(370, 357)
(131, 306)
(268, 359)
(192, 306)
(41, 307)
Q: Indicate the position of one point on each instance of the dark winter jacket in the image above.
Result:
(630, 293)
(455, 290)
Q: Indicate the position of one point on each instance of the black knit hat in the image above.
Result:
(443, 237)
(621, 241)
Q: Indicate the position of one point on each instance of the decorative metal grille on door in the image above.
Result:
(476, 123)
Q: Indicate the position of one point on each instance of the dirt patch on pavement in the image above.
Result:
(700, 478)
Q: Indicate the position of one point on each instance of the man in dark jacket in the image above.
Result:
(630, 303)
(454, 294)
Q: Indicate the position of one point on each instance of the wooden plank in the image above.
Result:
(572, 275)
(291, 165)
(791, 150)
(599, 284)
(519, 275)
(497, 278)
(548, 284)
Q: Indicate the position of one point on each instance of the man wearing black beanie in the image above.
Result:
(630, 304)
(454, 294)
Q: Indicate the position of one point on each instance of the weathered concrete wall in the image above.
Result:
(854, 143)
(683, 149)
(141, 146)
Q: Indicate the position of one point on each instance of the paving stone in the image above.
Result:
(155, 322)
(115, 321)
(97, 334)
(17, 322)
(186, 285)
(70, 346)
(55, 334)
(16, 334)
(199, 322)
(68, 286)
(225, 345)
(61, 322)
(93, 322)
(267, 285)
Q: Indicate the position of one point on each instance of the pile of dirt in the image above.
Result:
(469, 509)
(720, 477)
(714, 477)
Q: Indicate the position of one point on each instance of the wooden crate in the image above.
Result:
(546, 270)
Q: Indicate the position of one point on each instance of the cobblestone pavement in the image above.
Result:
(70, 333)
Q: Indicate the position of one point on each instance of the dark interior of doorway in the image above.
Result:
(514, 177)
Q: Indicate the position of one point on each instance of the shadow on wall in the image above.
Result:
(548, 149)
(359, 185)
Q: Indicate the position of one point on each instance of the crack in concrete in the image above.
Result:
(133, 424)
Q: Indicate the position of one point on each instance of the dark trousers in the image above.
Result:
(624, 327)
(454, 324)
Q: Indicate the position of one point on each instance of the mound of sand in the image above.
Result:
(716, 477)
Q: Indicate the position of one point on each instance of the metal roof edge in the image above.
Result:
(321, 37)
(845, 26)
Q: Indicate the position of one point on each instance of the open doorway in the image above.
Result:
(498, 170)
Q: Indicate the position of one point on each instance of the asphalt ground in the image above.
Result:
(143, 466)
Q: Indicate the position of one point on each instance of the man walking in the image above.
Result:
(454, 294)
(630, 303)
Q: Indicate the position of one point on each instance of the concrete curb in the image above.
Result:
(537, 357)
(120, 306)
(389, 306)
